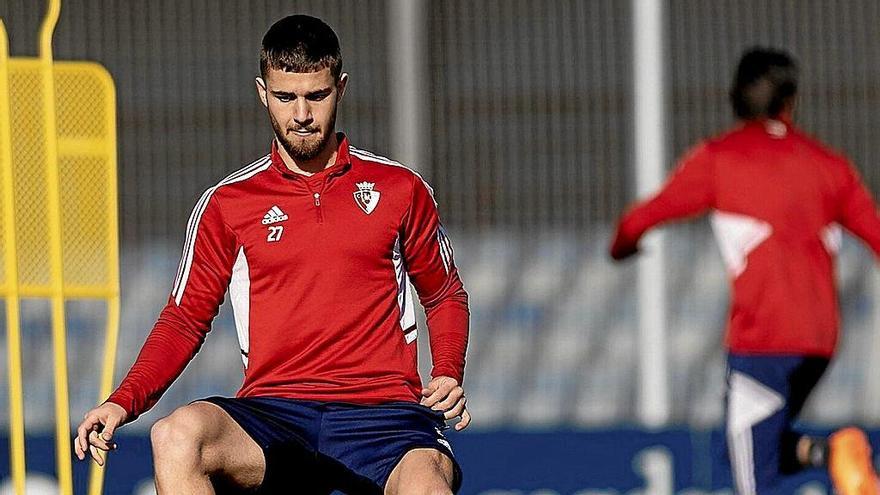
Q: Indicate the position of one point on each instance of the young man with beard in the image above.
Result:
(317, 243)
(777, 198)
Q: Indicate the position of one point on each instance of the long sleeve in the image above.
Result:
(200, 285)
(688, 192)
(428, 258)
(857, 211)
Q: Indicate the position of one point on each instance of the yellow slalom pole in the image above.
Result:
(96, 473)
(13, 330)
(59, 338)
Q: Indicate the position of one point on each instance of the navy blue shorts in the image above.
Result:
(764, 396)
(318, 447)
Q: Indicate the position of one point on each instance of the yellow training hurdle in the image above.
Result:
(58, 156)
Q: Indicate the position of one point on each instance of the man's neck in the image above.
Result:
(325, 159)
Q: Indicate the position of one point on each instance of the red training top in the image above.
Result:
(777, 197)
(318, 272)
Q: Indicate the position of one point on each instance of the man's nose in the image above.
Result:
(302, 112)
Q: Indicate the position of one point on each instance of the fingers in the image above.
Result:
(446, 404)
(428, 391)
(457, 409)
(95, 434)
(105, 437)
(98, 439)
(444, 394)
(82, 435)
(441, 389)
(465, 421)
(96, 455)
(109, 428)
(77, 446)
(78, 442)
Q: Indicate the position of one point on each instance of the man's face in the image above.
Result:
(302, 108)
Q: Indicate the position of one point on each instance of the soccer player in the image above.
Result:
(777, 197)
(317, 243)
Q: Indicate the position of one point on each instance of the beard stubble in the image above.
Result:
(307, 149)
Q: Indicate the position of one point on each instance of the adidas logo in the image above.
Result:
(274, 215)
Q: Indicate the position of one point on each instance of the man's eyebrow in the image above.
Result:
(320, 91)
(310, 93)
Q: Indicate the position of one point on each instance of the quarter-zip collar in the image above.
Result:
(342, 164)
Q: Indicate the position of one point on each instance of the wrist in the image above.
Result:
(125, 413)
(441, 373)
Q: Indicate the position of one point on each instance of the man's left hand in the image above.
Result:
(445, 394)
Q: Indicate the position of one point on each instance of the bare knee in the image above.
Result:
(181, 437)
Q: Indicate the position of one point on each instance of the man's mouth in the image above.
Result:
(304, 132)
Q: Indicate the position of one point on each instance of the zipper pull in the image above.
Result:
(317, 199)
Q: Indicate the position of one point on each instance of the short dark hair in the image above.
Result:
(765, 82)
(301, 43)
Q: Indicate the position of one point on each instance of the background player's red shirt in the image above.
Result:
(317, 270)
(778, 197)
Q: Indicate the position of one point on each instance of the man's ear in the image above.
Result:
(341, 84)
(261, 91)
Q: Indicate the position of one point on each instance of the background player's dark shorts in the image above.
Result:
(316, 447)
(766, 393)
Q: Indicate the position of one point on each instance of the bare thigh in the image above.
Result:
(229, 455)
(420, 471)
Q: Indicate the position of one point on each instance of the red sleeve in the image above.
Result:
(427, 254)
(857, 211)
(688, 192)
(202, 279)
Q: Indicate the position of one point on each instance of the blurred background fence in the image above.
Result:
(524, 121)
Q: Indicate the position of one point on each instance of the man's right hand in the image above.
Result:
(623, 246)
(96, 431)
(621, 250)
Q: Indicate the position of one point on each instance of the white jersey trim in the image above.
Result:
(404, 296)
(446, 252)
(737, 236)
(195, 218)
(832, 238)
(240, 297)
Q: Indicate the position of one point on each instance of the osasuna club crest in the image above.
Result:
(365, 197)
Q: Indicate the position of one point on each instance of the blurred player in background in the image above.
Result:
(777, 197)
(316, 243)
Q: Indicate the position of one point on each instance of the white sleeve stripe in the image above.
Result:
(190, 247)
(189, 250)
(196, 218)
(443, 254)
(190, 225)
(448, 242)
(196, 215)
(446, 252)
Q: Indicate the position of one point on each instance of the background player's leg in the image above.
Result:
(756, 420)
(200, 443)
(798, 450)
(422, 472)
(755, 455)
